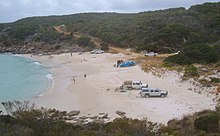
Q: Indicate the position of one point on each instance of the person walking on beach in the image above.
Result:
(73, 79)
(84, 75)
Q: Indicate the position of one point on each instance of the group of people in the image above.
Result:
(74, 80)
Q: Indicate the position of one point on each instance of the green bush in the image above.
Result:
(51, 36)
(104, 46)
(215, 80)
(21, 32)
(208, 123)
(190, 71)
(195, 53)
(85, 41)
(130, 127)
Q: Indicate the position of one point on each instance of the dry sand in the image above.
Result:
(96, 93)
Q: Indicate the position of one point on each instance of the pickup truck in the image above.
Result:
(134, 84)
(147, 92)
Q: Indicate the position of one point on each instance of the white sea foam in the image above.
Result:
(18, 55)
(50, 76)
(37, 63)
(50, 84)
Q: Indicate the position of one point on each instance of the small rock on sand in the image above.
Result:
(83, 117)
(120, 113)
(105, 116)
(94, 117)
(73, 113)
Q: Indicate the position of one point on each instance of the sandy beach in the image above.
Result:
(96, 93)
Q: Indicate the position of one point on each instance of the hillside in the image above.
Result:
(162, 31)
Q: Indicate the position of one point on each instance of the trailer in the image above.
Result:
(129, 84)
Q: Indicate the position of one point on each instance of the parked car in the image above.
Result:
(148, 92)
(151, 54)
(97, 51)
(129, 84)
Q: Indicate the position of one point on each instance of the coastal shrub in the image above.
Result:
(9, 126)
(21, 32)
(215, 80)
(191, 125)
(190, 71)
(216, 46)
(14, 107)
(165, 130)
(205, 82)
(195, 53)
(85, 41)
(208, 123)
(171, 33)
(218, 63)
(130, 127)
(57, 46)
(104, 46)
(51, 122)
(180, 127)
(87, 133)
(167, 65)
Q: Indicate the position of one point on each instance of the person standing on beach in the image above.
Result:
(84, 75)
(73, 79)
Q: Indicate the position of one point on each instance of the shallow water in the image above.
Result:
(21, 78)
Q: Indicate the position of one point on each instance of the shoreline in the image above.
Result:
(51, 83)
(49, 76)
(96, 93)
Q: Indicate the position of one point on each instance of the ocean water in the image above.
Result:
(21, 78)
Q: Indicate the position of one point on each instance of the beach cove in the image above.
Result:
(95, 93)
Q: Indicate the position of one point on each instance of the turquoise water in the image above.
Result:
(21, 78)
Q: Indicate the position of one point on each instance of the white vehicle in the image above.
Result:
(148, 92)
(133, 84)
(151, 54)
(97, 51)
